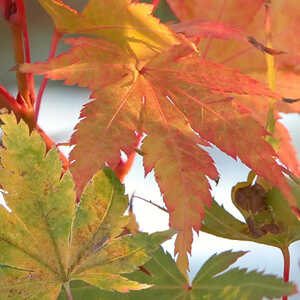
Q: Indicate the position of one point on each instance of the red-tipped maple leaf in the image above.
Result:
(249, 16)
(170, 99)
(238, 20)
(180, 101)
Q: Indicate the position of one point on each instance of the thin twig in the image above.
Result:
(131, 203)
(124, 167)
(18, 45)
(152, 203)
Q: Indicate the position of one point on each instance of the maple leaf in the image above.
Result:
(235, 20)
(175, 94)
(168, 283)
(129, 25)
(48, 241)
(281, 137)
(238, 13)
(250, 17)
(172, 97)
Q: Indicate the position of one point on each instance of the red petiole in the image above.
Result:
(13, 11)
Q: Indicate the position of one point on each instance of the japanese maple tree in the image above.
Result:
(162, 91)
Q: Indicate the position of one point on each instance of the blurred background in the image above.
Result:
(59, 114)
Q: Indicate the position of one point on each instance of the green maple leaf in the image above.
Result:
(168, 282)
(47, 240)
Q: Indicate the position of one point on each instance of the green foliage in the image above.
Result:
(169, 283)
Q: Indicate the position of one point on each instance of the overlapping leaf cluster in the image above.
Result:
(47, 241)
(213, 281)
(146, 79)
(229, 26)
(249, 17)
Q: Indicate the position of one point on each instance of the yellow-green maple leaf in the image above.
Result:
(47, 240)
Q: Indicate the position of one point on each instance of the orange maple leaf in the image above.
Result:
(249, 17)
(237, 20)
(180, 101)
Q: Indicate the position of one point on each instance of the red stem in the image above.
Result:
(30, 78)
(17, 35)
(124, 167)
(26, 42)
(7, 100)
(286, 268)
(14, 14)
(55, 38)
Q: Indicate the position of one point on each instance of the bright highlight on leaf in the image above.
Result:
(48, 241)
(168, 283)
(129, 25)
